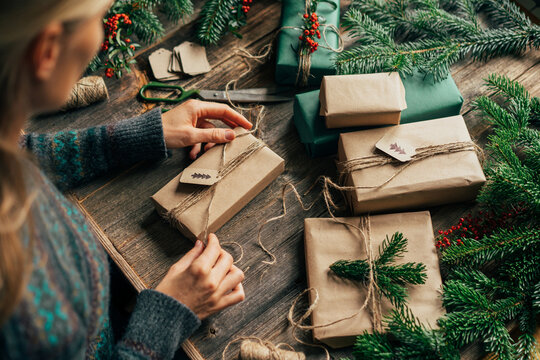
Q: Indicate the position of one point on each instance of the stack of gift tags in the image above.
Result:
(187, 58)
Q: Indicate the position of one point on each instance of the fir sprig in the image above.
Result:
(405, 338)
(505, 285)
(391, 278)
(494, 276)
(432, 37)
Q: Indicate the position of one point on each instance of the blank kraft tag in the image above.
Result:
(199, 176)
(193, 58)
(159, 62)
(395, 147)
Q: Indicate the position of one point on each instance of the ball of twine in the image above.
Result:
(86, 91)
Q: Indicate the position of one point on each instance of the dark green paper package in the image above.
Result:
(425, 99)
(287, 57)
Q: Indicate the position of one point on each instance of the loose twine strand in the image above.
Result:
(86, 91)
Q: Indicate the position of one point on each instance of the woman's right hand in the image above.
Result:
(205, 279)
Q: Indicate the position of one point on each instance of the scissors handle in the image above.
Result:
(184, 94)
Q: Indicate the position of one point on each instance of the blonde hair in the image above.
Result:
(20, 22)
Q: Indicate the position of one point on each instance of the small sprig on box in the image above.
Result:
(310, 30)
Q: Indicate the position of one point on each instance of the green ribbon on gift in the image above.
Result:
(288, 61)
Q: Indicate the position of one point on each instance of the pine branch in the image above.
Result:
(406, 338)
(214, 21)
(506, 13)
(435, 37)
(177, 9)
(391, 279)
(499, 246)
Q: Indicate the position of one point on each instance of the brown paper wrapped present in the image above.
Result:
(327, 241)
(445, 175)
(186, 205)
(362, 100)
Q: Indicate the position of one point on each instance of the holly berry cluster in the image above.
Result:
(309, 31)
(246, 5)
(477, 226)
(117, 47)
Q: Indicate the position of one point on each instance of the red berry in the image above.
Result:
(312, 32)
(306, 32)
(305, 16)
(300, 38)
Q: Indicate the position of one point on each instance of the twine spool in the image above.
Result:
(86, 91)
(251, 350)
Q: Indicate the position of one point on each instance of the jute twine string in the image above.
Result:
(202, 192)
(86, 91)
(254, 348)
(422, 153)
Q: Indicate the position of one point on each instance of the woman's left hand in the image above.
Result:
(188, 125)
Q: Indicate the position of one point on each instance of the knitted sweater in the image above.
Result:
(64, 310)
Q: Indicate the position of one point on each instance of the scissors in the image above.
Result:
(276, 94)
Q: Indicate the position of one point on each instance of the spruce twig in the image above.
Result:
(434, 34)
(391, 278)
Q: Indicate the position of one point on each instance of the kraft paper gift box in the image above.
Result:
(362, 100)
(436, 180)
(327, 241)
(425, 99)
(232, 192)
(288, 42)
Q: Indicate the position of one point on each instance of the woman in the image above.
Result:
(54, 279)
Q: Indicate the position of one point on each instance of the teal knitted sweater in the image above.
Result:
(64, 310)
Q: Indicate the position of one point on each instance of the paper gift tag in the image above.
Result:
(199, 176)
(159, 62)
(396, 147)
(175, 62)
(192, 58)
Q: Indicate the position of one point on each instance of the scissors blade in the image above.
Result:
(276, 90)
(221, 96)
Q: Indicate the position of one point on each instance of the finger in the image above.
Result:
(208, 146)
(214, 135)
(231, 281)
(208, 258)
(195, 150)
(222, 267)
(234, 297)
(204, 124)
(189, 257)
(211, 110)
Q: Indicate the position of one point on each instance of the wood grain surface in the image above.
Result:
(144, 246)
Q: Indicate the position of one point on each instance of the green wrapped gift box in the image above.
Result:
(287, 57)
(425, 98)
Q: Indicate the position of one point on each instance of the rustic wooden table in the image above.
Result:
(144, 246)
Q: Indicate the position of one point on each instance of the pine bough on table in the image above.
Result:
(431, 35)
(493, 259)
(133, 17)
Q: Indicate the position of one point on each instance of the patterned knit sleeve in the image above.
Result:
(73, 157)
(158, 326)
